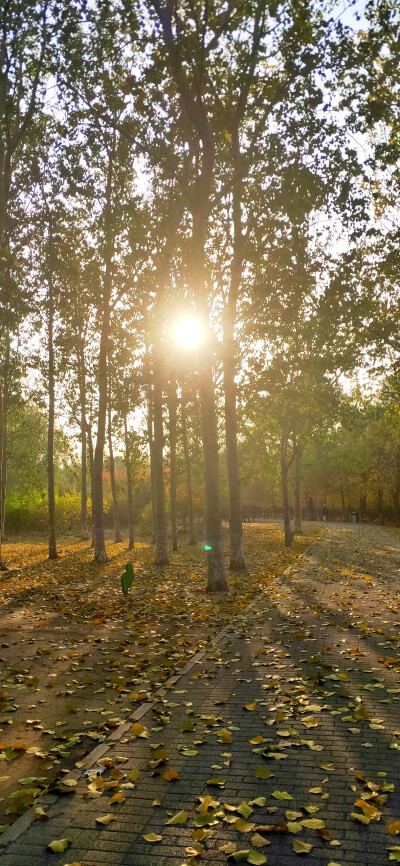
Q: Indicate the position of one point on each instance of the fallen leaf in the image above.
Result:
(105, 819)
(59, 845)
(152, 837)
(300, 847)
(179, 818)
(281, 795)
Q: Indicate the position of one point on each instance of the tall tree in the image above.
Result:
(25, 34)
(172, 420)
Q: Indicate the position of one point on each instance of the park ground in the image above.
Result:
(276, 733)
(74, 652)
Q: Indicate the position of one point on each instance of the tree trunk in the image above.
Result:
(343, 505)
(131, 536)
(158, 466)
(51, 392)
(379, 505)
(2, 565)
(285, 492)
(117, 530)
(90, 447)
(82, 400)
(237, 560)
(172, 461)
(216, 574)
(98, 460)
(216, 577)
(298, 453)
(151, 455)
(3, 450)
(196, 119)
(188, 465)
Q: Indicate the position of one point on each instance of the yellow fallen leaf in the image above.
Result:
(281, 795)
(243, 826)
(179, 818)
(170, 775)
(152, 837)
(117, 798)
(59, 845)
(105, 819)
(300, 847)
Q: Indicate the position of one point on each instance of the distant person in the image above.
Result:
(325, 513)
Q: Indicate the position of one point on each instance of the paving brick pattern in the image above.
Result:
(319, 656)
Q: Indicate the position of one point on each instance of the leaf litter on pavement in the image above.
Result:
(314, 687)
(77, 658)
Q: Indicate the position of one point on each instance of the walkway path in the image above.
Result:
(287, 726)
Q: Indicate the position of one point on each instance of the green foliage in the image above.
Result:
(26, 511)
(127, 578)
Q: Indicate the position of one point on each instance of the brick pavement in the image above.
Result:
(319, 657)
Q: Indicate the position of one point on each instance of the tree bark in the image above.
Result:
(237, 560)
(150, 437)
(188, 466)
(298, 449)
(343, 505)
(158, 467)
(90, 448)
(51, 394)
(216, 576)
(98, 459)
(172, 408)
(131, 535)
(117, 528)
(3, 433)
(3, 567)
(285, 492)
(82, 401)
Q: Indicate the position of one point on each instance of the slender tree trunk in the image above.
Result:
(188, 465)
(98, 459)
(298, 453)
(150, 437)
(172, 406)
(131, 536)
(379, 505)
(237, 560)
(51, 392)
(343, 505)
(117, 530)
(214, 541)
(91, 458)
(3, 567)
(285, 492)
(3, 433)
(216, 574)
(159, 487)
(82, 399)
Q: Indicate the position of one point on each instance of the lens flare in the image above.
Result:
(189, 333)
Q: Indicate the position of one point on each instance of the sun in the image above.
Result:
(189, 333)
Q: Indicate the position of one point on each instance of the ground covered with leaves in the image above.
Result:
(77, 657)
(280, 739)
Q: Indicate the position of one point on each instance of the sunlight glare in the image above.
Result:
(189, 333)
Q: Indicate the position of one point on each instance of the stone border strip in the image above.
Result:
(22, 823)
